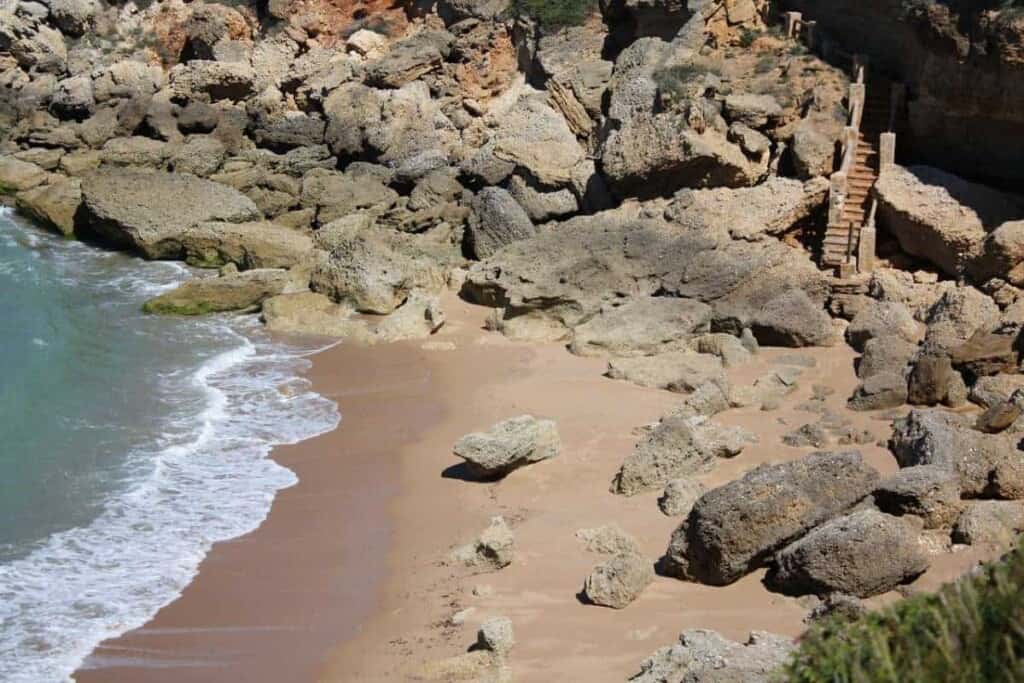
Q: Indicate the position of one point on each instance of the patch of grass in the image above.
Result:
(673, 80)
(765, 64)
(552, 14)
(971, 630)
(747, 37)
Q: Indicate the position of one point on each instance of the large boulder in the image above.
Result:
(939, 217)
(244, 292)
(792, 319)
(53, 205)
(931, 492)
(881, 318)
(73, 17)
(209, 80)
(17, 175)
(676, 447)
(987, 465)
(507, 446)
(987, 353)
(679, 371)
(618, 581)
(703, 656)
(497, 220)
(864, 553)
(309, 313)
(642, 327)
(149, 212)
(736, 528)
(956, 316)
(410, 59)
(247, 245)
(991, 522)
(373, 273)
(1001, 255)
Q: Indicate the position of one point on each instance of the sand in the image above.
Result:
(347, 581)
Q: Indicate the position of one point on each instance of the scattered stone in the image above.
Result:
(864, 553)
(491, 551)
(676, 447)
(838, 606)
(812, 434)
(736, 528)
(619, 581)
(1003, 415)
(496, 635)
(609, 539)
(704, 655)
(680, 496)
(507, 446)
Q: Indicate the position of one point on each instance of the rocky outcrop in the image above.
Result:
(990, 522)
(243, 292)
(676, 447)
(707, 656)
(679, 371)
(247, 245)
(150, 212)
(862, 554)
(939, 217)
(641, 327)
(53, 205)
(987, 465)
(931, 492)
(508, 445)
(736, 528)
(497, 220)
(881, 318)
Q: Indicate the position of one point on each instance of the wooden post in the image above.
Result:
(886, 151)
(793, 23)
(811, 27)
(858, 94)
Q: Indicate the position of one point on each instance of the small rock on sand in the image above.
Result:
(508, 445)
(619, 581)
(491, 551)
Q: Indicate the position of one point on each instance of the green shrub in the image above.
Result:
(971, 630)
(747, 37)
(673, 80)
(556, 13)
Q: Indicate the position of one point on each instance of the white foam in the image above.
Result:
(209, 479)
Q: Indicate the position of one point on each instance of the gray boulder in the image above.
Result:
(864, 553)
(1002, 415)
(707, 657)
(931, 492)
(680, 371)
(619, 581)
(988, 465)
(410, 59)
(676, 447)
(150, 212)
(680, 496)
(932, 381)
(736, 528)
(497, 220)
(73, 17)
(990, 522)
(247, 245)
(880, 319)
(642, 327)
(793, 319)
(956, 316)
(507, 446)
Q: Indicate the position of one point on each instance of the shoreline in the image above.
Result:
(294, 601)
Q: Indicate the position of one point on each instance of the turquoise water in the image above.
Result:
(128, 444)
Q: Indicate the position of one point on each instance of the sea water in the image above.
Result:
(129, 444)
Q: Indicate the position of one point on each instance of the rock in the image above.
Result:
(410, 59)
(931, 381)
(247, 245)
(35, 47)
(880, 391)
(135, 151)
(677, 446)
(336, 195)
(202, 79)
(17, 175)
(708, 399)
(956, 316)
(1001, 255)
(542, 206)
(309, 313)
(773, 207)
(419, 317)
(73, 17)
(507, 446)
(705, 656)
(497, 220)
(990, 522)
(642, 327)
(991, 391)
(939, 217)
(864, 553)
(792, 319)
(882, 318)
(372, 274)
(201, 156)
(74, 98)
(736, 528)
(239, 292)
(53, 205)
(619, 581)
(681, 371)
(813, 150)
(680, 496)
(811, 434)
(886, 355)
(149, 212)
(609, 539)
(726, 346)
(931, 492)
(496, 635)
(987, 353)
(837, 606)
(987, 465)
(491, 551)
(1002, 416)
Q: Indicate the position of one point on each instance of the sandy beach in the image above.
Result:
(347, 581)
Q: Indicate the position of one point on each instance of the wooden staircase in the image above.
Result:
(841, 239)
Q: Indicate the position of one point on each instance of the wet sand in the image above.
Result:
(347, 580)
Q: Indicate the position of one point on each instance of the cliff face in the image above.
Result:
(964, 69)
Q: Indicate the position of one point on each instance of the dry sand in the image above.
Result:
(346, 580)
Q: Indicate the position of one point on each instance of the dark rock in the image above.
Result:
(931, 492)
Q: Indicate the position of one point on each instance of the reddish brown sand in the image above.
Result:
(346, 580)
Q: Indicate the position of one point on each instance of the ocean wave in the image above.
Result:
(206, 479)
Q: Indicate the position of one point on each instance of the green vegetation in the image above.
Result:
(971, 630)
(747, 37)
(673, 80)
(556, 13)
